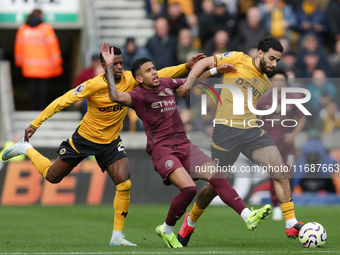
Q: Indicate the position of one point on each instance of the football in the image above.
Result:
(312, 234)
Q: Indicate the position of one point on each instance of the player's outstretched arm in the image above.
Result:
(197, 70)
(108, 56)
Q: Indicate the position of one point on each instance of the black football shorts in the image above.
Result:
(76, 148)
(228, 142)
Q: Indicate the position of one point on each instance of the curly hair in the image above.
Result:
(269, 42)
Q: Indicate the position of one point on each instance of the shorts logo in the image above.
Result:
(228, 54)
(169, 91)
(216, 161)
(169, 163)
(62, 151)
(78, 89)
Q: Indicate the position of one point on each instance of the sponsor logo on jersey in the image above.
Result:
(114, 108)
(169, 91)
(101, 92)
(228, 54)
(255, 80)
(162, 94)
(220, 57)
(169, 163)
(78, 89)
(162, 103)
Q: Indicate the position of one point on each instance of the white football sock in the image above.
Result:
(168, 229)
(290, 223)
(191, 223)
(116, 234)
(25, 147)
(244, 214)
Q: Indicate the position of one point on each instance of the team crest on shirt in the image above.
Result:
(255, 80)
(169, 163)
(216, 161)
(78, 89)
(227, 54)
(162, 94)
(62, 151)
(169, 91)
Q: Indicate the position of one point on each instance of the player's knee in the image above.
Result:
(53, 178)
(190, 191)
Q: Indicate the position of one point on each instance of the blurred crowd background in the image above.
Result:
(309, 31)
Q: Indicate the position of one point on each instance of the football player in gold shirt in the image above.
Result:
(235, 134)
(97, 134)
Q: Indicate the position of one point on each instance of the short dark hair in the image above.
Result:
(278, 71)
(137, 64)
(116, 51)
(269, 42)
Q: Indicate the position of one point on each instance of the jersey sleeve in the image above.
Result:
(175, 83)
(227, 58)
(173, 71)
(81, 92)
(136, 98)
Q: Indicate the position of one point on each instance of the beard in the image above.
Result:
(264, 67)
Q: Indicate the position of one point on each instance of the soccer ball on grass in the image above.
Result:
(312, 234)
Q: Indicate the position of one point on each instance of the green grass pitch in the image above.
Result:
(85, 229)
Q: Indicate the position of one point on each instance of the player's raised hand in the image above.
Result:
(29, 133)
(226, 68)
(192, 61)
(107, 53)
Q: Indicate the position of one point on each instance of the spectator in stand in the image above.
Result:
(244, 6)
(221, 19)
(187, 7)
(334, 61)
(288, 62)
(333, 17)
(278, 17)
(155, 8)
(162, 46)
(87, 73)
(207, 11)
(331, 118)
(251, 31)
(218, 44)
(176, 19)
(37, 52)
(322, 91)
(310, 46)
(311, 20)
(131, 52)
(185, 47)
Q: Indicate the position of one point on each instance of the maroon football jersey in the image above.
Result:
(158, 111)
(275, 129)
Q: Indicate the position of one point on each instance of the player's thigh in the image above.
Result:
(119, 171)
(58, 170)
(180, 178)
(197, 163)
(270, 157)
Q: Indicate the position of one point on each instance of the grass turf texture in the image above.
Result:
(85, 229)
